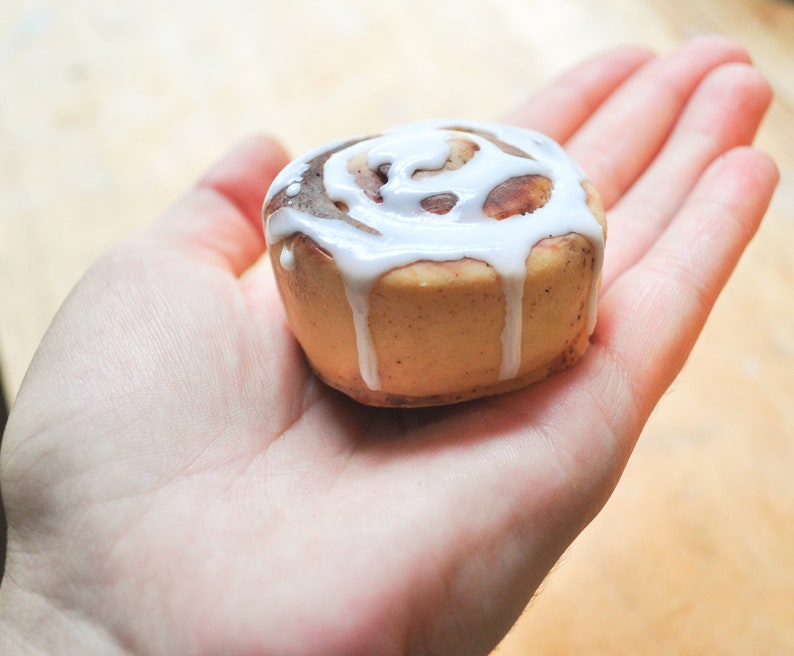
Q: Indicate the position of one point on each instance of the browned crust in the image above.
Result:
(382, 399)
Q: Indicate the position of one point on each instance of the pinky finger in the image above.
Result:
(651, 316)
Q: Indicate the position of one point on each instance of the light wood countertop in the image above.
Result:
(109, 110)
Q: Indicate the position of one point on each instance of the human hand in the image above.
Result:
(177, 482)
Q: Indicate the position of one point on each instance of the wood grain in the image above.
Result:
(110, 110)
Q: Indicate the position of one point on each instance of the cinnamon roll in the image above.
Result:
(437, 262)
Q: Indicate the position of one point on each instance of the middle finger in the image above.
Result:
(621, 139)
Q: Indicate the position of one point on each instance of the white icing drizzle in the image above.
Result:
(293, 190)
(367, 356)
(404, 232)
(294, 171)
(287, 258)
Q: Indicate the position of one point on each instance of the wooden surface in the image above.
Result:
(108, 110)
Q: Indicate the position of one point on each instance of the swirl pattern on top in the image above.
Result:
(414, 194)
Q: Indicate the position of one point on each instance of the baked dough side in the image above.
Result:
(437, 326)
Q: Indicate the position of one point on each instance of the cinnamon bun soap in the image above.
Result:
(437, 262)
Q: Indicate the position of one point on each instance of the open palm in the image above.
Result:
(177, 482)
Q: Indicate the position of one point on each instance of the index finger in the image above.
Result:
(563, 105)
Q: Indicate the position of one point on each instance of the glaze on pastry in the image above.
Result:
(437, 262)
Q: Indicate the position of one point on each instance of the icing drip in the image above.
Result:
(403, 232)
(513, 287)
(287, 258)
(367, 357)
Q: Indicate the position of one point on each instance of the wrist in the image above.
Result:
(34, 624)
(17, 621)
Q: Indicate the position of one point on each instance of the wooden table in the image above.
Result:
(109, 110)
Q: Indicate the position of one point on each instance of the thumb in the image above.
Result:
(219, 219)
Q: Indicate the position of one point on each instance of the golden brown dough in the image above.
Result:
(437, 328)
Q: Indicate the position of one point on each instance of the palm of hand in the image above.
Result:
(191, 472)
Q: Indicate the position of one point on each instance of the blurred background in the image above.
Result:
(108, 110)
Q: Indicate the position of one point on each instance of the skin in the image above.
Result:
(176, 482)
